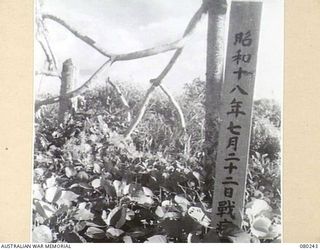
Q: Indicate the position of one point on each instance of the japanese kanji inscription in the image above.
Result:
(235, 112)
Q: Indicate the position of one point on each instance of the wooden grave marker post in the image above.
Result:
(214, 78)
(235, 113)
(68, 82)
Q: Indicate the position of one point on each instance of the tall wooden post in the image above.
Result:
(235, 113)
(214, 78)
(68, 78)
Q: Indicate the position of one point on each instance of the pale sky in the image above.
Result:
(129, 25)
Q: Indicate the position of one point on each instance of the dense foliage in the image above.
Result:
(90, 186)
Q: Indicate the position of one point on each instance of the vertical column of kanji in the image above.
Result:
(235, 113)
(68, 78)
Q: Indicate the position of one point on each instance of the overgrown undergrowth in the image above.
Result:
(91, 187)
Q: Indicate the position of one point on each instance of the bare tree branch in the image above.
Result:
(46, 50)
(190, 28)
(78, 34)
(122, 98)
(176, 105)
(156, 82)
(80, 89)
(127, 56)
(48, 73)
(134, 55)
(45, 44)
(151, 52)
(141, 112)
(54, 61)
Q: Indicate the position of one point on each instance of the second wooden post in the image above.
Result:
(68, 78)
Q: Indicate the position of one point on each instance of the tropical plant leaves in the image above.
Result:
(108, 187)
(117, 217)
(72, 237)
(157, 239)
(114, 232)
(46, 210)
(51, 181)
(96, 168)
(95, 189)
(84, 185)
(199, 216)
(83, 214)
(69, 196)
(127, 239)
(96, 183)
(147, 191)
(256, 207)
(182, 202)
(95, 233)
(42, 234)
(260, 226)
(38, 192)
(159, 211)
(143, 200)
(70, 172)
(171, 215)
(83, 176)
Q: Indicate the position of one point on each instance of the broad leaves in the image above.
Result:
(234, 234)
(114, 232)
(143, 200)
(157, 239)
(256, 207)
(92, 185)
(66, 198)
(183, 202)
(108, 186)
(70, 172)
(96, 183)
(199, 216)
(142, 195)
(72, 237)
(260, 226)
(83, 214)
(118, 186)
(41, 234)
(127, 239)
(159, 211)
(69, 196)
(147, 192)
(259, 213)
(116, 217)
(53, 194)
(46, 210)
(38, 192)
(95, 233)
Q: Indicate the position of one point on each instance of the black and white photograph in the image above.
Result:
(157, 121)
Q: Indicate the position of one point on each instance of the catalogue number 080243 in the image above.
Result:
(308, 245)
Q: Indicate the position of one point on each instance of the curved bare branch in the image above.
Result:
(122, 98)
(141, 112)
(178, 45)
(156, 82)
(126, 56)
(176, 105)
(48, 73)
(48, 53)
(80, 89)
(78, 34)
(54, 61)
(190, 28)
(46, 47)
(152, 51)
